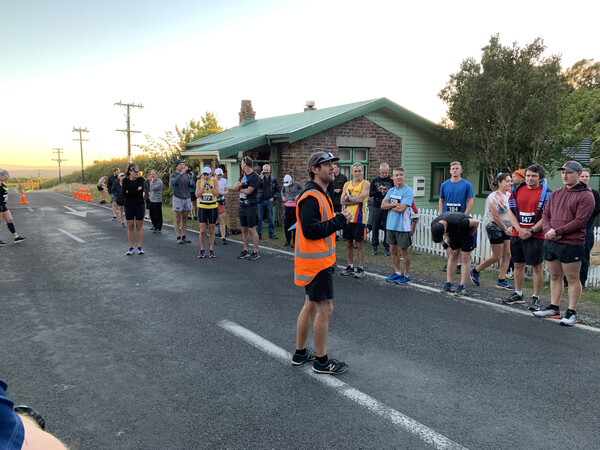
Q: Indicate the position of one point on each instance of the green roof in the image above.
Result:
(294, 127)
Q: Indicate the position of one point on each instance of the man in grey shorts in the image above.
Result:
(397, 202)
(181, 181)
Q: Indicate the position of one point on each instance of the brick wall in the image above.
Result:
(293, 157)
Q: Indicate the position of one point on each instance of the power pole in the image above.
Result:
(56, 150)
(128, 130)
(81, 130)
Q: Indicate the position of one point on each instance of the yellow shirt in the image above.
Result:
(207, 199)
(359, 210)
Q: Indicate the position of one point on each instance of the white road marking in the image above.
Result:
(71, 235)
(30, 209)
(408, 424)
(76, 213)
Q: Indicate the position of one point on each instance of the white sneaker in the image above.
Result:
(569, 320)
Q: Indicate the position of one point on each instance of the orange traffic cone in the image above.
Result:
(75, 193)
(23, 199)
(89, 195)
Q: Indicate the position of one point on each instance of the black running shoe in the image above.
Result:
(254, 256)
(224, 241)
(513, 299)
(299, 359)
(2, 243)
(244, 254)
(19, 239)
(332, 366)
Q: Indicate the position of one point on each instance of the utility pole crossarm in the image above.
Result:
(81, 130)
(128, 130)
(59, 160)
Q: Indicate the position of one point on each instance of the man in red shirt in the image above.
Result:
(526, 204)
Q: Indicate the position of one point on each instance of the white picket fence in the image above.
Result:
(421, 242)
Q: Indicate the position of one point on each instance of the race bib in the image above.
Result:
(395, 199)
(243, 196)
(453, 207)
(526, 218)
(207, 197)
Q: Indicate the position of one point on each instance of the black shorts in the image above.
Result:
(248, 215)
(464, 241)
(134, 212)
(565, 253)
(119, 203)
(193, 196)
(100, 188)
(496, 234)
(3, 207)
(354, 232)
(209, 216)
(529, 251)
(321, 286)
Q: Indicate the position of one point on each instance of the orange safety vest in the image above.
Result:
(313, 255)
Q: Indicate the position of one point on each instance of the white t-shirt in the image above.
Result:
(499, 201)
(223, 184)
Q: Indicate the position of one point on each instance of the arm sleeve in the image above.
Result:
(585, 208)
(312, 226)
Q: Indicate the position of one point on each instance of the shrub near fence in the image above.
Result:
(422, 243)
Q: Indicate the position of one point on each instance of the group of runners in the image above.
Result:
(529, 223)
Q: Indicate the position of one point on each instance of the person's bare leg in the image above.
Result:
(139, 225)
(130, 233)
(321, 326)
(465, 259)
(254, 238)
(406, 259)
(395, 258)
(538, 278)
(350, 252)
(557, 285)
(360, 249)
(519, 275)
(571, 271)
(211, 236)
(303, 324)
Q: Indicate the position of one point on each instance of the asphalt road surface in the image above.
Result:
(166, 351)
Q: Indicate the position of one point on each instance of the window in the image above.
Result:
(351, 155)
(440, 172)
(484, 186)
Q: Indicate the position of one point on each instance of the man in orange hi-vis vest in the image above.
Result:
(314, 261)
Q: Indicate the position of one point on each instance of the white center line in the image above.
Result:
(71, 235)
(423, 432)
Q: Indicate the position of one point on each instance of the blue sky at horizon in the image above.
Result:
(66, 63)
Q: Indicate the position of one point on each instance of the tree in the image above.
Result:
(195, 130)
(501, 109)
(584, 74)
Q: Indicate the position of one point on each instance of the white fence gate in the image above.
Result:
(422, 242)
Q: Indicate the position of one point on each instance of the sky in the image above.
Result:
(65, 64)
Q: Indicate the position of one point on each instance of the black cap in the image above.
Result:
(437, 232)
(320, 157)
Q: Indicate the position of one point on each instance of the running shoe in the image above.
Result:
(386, 252)
(19, 239)
(444, 268)
(273, 237)
(460, 290)
(122, 224)
(504, 285)
(403, 280)
(114, 218)
(185, 240)
(180, 241)
(224, 241)
(549, 312)
(244, 254)
(254, 256)
(570, 319)
(147, 217)
(360, 272)
(514, 298)
(447, 288)
(201, 255)
(131, 251)
(102, 202)
(2, 243)
(332, 367)
(374, 251)
(393, 277)
(510, 274)
(287, 244)
(534, 305)
(475, 277)
(299, 359)
(458, 269)
(152, 229)
(140, 251)
(211, 254)
(349, 270)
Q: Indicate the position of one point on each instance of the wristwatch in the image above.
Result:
(531, 230)
(31, 412)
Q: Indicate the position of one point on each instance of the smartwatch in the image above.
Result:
(31, 412)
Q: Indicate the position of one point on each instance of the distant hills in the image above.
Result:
(45, 172)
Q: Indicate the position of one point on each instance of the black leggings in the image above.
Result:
(289, 219)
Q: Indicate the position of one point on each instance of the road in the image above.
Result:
(165, 351)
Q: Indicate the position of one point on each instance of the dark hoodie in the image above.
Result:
(309, 214)
(568, 211)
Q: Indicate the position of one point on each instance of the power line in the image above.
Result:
(81, 130)
(128, 130)
(56, 150)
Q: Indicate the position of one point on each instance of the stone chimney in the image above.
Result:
(247, 114)
(310, 105)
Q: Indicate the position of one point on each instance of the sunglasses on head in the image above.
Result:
(323, 157)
